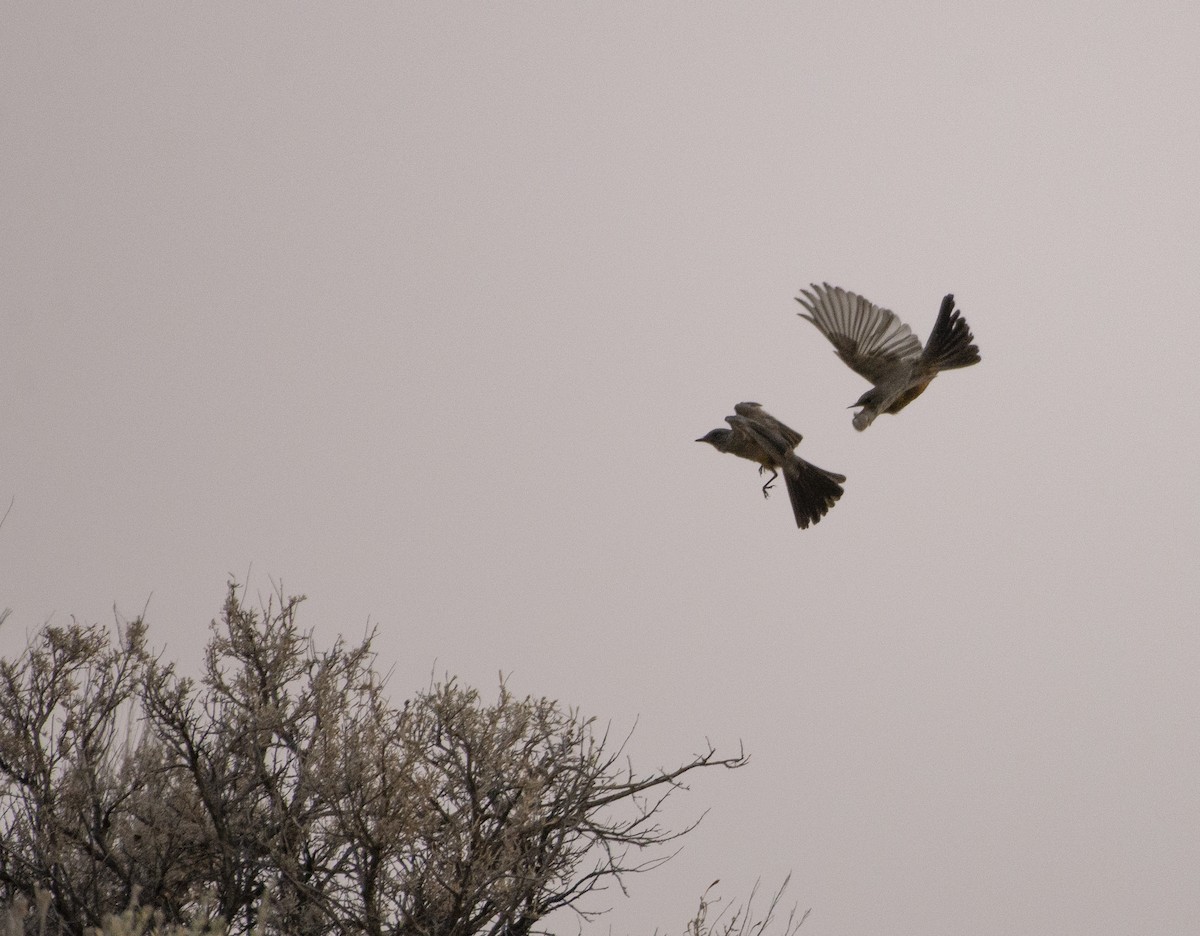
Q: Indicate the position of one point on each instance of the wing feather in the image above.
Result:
(769, 444)
(756, 414)
(869, 339)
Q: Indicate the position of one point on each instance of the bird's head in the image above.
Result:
(870, 403)
(717, 438)
(872, 396)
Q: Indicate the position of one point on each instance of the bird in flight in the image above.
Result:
(757, 435)
(880, 347)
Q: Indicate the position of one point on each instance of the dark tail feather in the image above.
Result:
(812, 491)
(949, 344)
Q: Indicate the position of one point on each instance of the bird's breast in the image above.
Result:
(908, 395)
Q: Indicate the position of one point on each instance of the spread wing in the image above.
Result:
(756, 414)
(869, 339)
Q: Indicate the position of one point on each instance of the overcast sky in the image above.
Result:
(418, 308)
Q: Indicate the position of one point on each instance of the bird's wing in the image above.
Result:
(869, 339)
(756, 414)
(760, 437)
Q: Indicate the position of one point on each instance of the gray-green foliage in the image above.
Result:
(283, 770)
(20, 918)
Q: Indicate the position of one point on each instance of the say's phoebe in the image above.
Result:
(880, 347)
(757, 435)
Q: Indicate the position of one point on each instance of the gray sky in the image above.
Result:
(417, 309)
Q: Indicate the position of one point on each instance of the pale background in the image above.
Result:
(417, 309)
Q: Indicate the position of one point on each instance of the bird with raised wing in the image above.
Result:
(877, 345)
(758, 436)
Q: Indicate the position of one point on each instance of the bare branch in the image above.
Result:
(283, 769)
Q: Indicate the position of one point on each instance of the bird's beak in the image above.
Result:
(700, 440)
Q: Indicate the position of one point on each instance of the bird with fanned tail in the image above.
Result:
(877, 345)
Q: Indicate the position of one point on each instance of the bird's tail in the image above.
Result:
(812, 490)
(949, 344)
